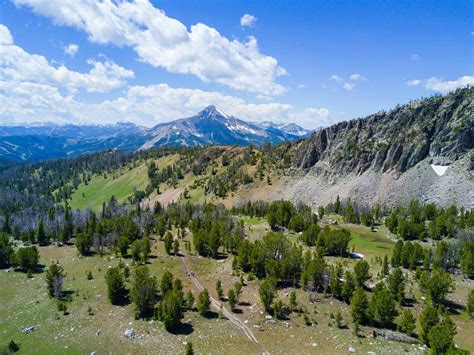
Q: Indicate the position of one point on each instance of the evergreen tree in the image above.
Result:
(440, 339)
(232, 298)
(166, 283)
(83, 243)
(382, 306)
(427, 319)
(26, 258)
(385, 269)
(122, 245)
(189, 348)
(361, 272)
(219, 290)
(41, 235)
(204, 302)
(267, 292)
(397, 254)
(349, 286)
(116, 290)
(143, 292)
(293, 302)
(170, 309)
(359, 307)
(55, 280)
(470, 304)
(407, 322)
(168, 242)
(396, 284)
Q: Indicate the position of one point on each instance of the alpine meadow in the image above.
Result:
(213, 177)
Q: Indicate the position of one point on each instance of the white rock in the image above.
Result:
(129, 333)
(351, 350)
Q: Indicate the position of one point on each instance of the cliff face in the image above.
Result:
(440, 128)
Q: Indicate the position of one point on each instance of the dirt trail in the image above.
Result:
(217, 305)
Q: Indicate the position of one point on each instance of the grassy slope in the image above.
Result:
(25, 303)
(101, 189)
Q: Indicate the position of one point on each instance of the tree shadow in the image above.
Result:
(453, 307)
(211, 315)
(237, 311)
(183, 329)
(244, 303)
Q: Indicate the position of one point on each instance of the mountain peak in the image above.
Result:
(212, 111)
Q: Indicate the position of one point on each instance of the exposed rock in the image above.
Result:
(440, 128)
(129, 333)
(28, 330)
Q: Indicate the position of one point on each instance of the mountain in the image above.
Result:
(40, 142)
(212, 126)
(424, 150)
(288, 128)
(209, 127)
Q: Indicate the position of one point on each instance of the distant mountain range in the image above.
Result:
(211, 126)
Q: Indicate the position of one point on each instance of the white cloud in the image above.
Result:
(312, 117)
(336, 78)
(248, 20)
(71, 49)
(414, 82)
(165, 42)
(147, 105)
(348, 86)
(357, 77)
(442, 86)
(5, 35)
(439, 85)
(17, 65)
(350, 83)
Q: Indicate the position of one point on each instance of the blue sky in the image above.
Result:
(311, 62)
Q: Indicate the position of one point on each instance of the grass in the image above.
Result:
(100, 189)
(24, 302)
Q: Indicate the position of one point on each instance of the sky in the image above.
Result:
(314, 63)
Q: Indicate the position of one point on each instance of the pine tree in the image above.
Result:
(189, 348)
(219, 290)
(168, 242)
(204, 302)
(396, 284)
(144, 291)
(116, 290)
(267, 292)
(359, 306)
(385, 269)
(232, 298)
(427, 319)
(41, 235)
(407, 322)
(55, 280)
(361, 272)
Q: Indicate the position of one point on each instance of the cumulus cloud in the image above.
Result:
(357, 77)
(146, 105)
(71, 49)
(443, 86)
(414, 82)
(17, 65)
(348, 84)
(248, 20)
(439, 85)
(336, 78)
(162, 41)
